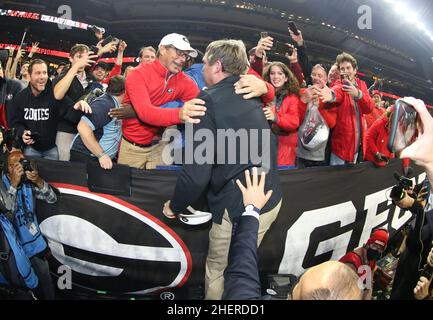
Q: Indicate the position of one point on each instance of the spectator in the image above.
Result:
(367, 256)
(331, 280)
(353, 100)
(98, 134)
(60, 68)
(377, 111)
(147, 87)
(128, 69)
(284, 113)
(314, 154)
(9, 88)
(74, 83)
(100, 69)
(147, 55)
(333, 75)
(224, 62)
(25, 222)
(422, 290)
(24, 73)
(377, 141)
(36, 113)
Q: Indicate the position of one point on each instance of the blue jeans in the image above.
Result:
(337, 161)
(51, 154)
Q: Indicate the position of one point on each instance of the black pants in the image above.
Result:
(45, 288)
(304, 163)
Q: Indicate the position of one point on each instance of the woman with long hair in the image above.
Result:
(284, 112)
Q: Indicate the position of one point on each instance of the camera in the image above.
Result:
(27, 165)
(404, 184)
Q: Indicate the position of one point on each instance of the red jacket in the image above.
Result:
(343, 141)
(375, 114)
(117, 69)
(377, 141)
(288, 121)
(358, 258)
(147, 87)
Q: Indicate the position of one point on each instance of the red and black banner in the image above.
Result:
(125, 246)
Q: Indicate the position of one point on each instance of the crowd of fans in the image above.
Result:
(321, 117)
(87, 112)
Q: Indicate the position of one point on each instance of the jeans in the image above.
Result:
(337, 161)
(51, 154)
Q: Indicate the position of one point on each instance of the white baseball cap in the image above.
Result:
(179, 42)
(195, 218)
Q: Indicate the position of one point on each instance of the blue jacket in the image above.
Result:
(25, 221)
(18, 265)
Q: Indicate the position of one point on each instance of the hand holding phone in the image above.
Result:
(264, 34)
(293, 28)
(404, 126)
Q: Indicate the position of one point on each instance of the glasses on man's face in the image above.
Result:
(181, 53)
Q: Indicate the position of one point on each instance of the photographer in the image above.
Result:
(423, 288)
(24, 184)
(419, 240)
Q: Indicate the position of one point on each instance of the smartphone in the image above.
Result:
(293, 28)
(264, 34)
(23, 45)
(404, 126)
(107, 40)
(282, 48)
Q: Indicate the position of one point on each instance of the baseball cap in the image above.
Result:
(379, 237)
(179, 42)
(195, 218)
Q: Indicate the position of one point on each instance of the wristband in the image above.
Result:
(99, 156)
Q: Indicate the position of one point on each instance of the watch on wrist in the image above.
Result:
(251, 208)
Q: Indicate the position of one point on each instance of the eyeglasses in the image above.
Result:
(180, 53)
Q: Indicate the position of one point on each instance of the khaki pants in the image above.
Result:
(64, 142)
(219, 244)
(141, 158)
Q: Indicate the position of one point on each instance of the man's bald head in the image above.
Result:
(331, 280)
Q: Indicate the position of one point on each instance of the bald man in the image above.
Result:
(24, 191)
(331, 280)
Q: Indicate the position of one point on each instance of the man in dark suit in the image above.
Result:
(212, 165)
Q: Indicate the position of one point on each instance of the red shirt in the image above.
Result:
(377, 141)
(149, 86)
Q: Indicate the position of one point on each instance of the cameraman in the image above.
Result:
(24, 185)
(420, 236)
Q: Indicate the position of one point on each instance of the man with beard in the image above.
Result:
(36, 113)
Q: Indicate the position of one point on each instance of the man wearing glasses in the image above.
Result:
(149, 86)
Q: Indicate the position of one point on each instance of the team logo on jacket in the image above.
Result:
(170, 90)
(114, 246)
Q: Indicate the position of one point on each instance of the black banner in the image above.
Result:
(124, 245)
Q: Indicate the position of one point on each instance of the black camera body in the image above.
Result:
(398, 191)
(27, 165)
